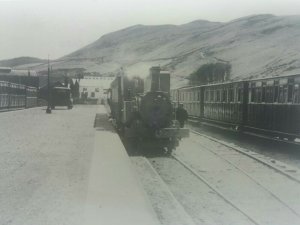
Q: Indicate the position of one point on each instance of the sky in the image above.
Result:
(39, 28)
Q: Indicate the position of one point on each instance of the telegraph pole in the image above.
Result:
(48, 110)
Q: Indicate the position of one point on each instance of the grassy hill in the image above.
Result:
(255, 46)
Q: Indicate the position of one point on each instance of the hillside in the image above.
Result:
(256, 46)
(20, 61)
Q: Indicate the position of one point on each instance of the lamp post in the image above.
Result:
(48, 110)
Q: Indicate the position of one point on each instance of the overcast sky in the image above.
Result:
(58, 27)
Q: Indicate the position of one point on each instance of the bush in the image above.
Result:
(210, 73)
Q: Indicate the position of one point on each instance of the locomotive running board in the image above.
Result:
(173, 132)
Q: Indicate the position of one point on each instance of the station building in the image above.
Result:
(92, 88)
(25, 77)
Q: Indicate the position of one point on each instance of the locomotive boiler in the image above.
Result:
(142, 110)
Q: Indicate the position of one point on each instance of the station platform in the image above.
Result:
(115, 195)
(59, 169)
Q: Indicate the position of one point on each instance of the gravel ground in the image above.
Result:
(168, 209)
(198, 200)
(44, 161)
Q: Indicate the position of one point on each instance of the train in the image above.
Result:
(269, 106)
(17, 96)
(142, 110)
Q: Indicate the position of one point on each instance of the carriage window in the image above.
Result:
(231, 96)
(276, 94)
(240, 94)
(263, 94)
(218, 96)
(224, 95)
(281, 95)
(285, 92)
(212, 96)
(258, 94)
(267, 94)
(253, 95)
(272, 90)
(290, 92)
(296, 93)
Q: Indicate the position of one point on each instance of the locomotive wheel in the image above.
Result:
(173, 143)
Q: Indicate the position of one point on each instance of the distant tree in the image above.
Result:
(210, 73)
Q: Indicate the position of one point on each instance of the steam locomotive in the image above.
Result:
(142, 110)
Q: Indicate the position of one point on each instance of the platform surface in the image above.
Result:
(59, 169)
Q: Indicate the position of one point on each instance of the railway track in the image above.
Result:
(250, 216)
(232, 203)
(211, 192)
(226, 199)
(290, 173)
(201, 209)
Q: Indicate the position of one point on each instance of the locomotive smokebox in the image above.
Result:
(156, 110)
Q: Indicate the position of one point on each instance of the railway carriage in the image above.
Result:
(17, 96)
(224, 103)
(274, 107)
(269, 106)
(4, 96)
(191, 98)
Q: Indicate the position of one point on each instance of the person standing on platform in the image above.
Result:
(181, 115)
